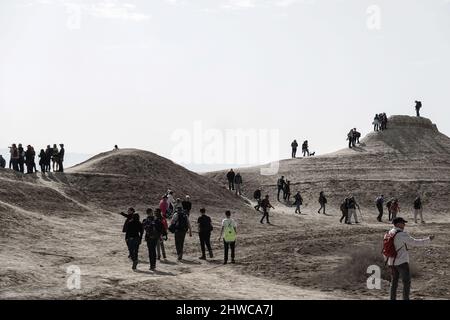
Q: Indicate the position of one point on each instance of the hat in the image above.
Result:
(399, 220)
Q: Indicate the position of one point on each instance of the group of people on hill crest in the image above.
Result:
(380, 122)
(173, 216)
(305, 149)
(21, 158)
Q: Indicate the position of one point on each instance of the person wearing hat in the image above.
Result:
(61, 158)
(400, 264)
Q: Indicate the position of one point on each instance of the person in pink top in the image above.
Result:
(164, 205)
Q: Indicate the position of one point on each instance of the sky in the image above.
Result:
(181, 78)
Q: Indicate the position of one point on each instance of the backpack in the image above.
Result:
(298, 199)
(389, 250)
(169, 211)
(229, 234)
(152, 229)
(182, 222)
(257, 194)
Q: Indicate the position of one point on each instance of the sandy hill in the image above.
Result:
(411, 157)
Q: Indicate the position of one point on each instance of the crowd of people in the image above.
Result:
(172, 216)
(353, 138)
(380, 122)
(21, 159)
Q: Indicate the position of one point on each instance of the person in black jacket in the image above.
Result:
(230, 177)
(187, 205)
(322, 202)
(133, 234)
(257, 196)
(61, 158)
(153, 229)
(294, 146)
(21, 158)
(238, 183)
(204, 232)
(128, 216)
(29, 159)
(48, 158)
(2, 162)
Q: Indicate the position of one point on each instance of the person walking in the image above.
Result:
(280, 185)
(266, 206)
(418, 209)
(153, 231)
(230, 178)
(305, 148)
(395, 208)
(181, 225)
(352, 205)
(298, 202)
(164, 205)
(62, 151)
(128, 217)
(388, 206)
(238, 183)
(205, 228)
(257, 197)
(287, 191)
(344, 210)
(294, 146)
(322, 202)
(187, 205)
(379, 202)
(398, 261)
(160, 248)
(133, 235)
(229, 232)
(418, 107)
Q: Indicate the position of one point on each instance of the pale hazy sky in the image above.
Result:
(93, 74)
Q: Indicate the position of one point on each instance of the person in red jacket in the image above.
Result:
(164, 205)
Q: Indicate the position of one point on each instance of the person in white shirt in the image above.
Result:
(400, 264)
(229, 231)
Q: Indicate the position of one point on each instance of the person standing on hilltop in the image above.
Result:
(230, 178)
(418, 107)
(395, 249)
(14, 157)
(305, 148)
(2, 162)
(29, 159)
(376, 123)
(238, 183)
(294, 146)
(379, 201)
(21, 158)
(351, 138)
(61, 158)
(384, 121)
(55, 154)
(48, 158)
(322, 202)
(42, 160)
(418, 209)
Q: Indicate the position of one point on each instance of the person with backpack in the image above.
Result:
(230, 178)
(395, 251)
(257, 197)
(153, 229)
(172, 204)
(238, 183)
(128, 217)
(298, 202)
(395, 208)
(180, 225)
(418, 209)
(133, 235)
(344, 210)
(418, 107)
(305, 148)
(205, 228)
(266, 205)
(357, 135)
(229, 232)
(2, 162)
(14, 158)
(351, 206)
(280, 185)
(350, 138)
(187, 205)
(322, 202)
(379, 201)
(160, 249)
(294, 146)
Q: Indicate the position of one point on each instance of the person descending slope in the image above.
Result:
(379, 201)
(287, 191)
(418, 209)
(395, 251)
(230, 178)
(160, 249)
(322, 202)
(388, 206)
(257, 197)
(128, 216)
(344, 210)
(395, 208)
(134, 232)
(280, 185)
(265, 204)
(229, 232)
(205, 228)
(153, 230)
(294, 146)
(238, 183)
(298, 202)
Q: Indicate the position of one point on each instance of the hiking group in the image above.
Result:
(21, 158)
(305, 149)
(172, 216)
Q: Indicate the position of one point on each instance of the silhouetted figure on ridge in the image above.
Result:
(294, 146)
(418, 106)
(305, 148)
(2, 162)
(230, 178)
